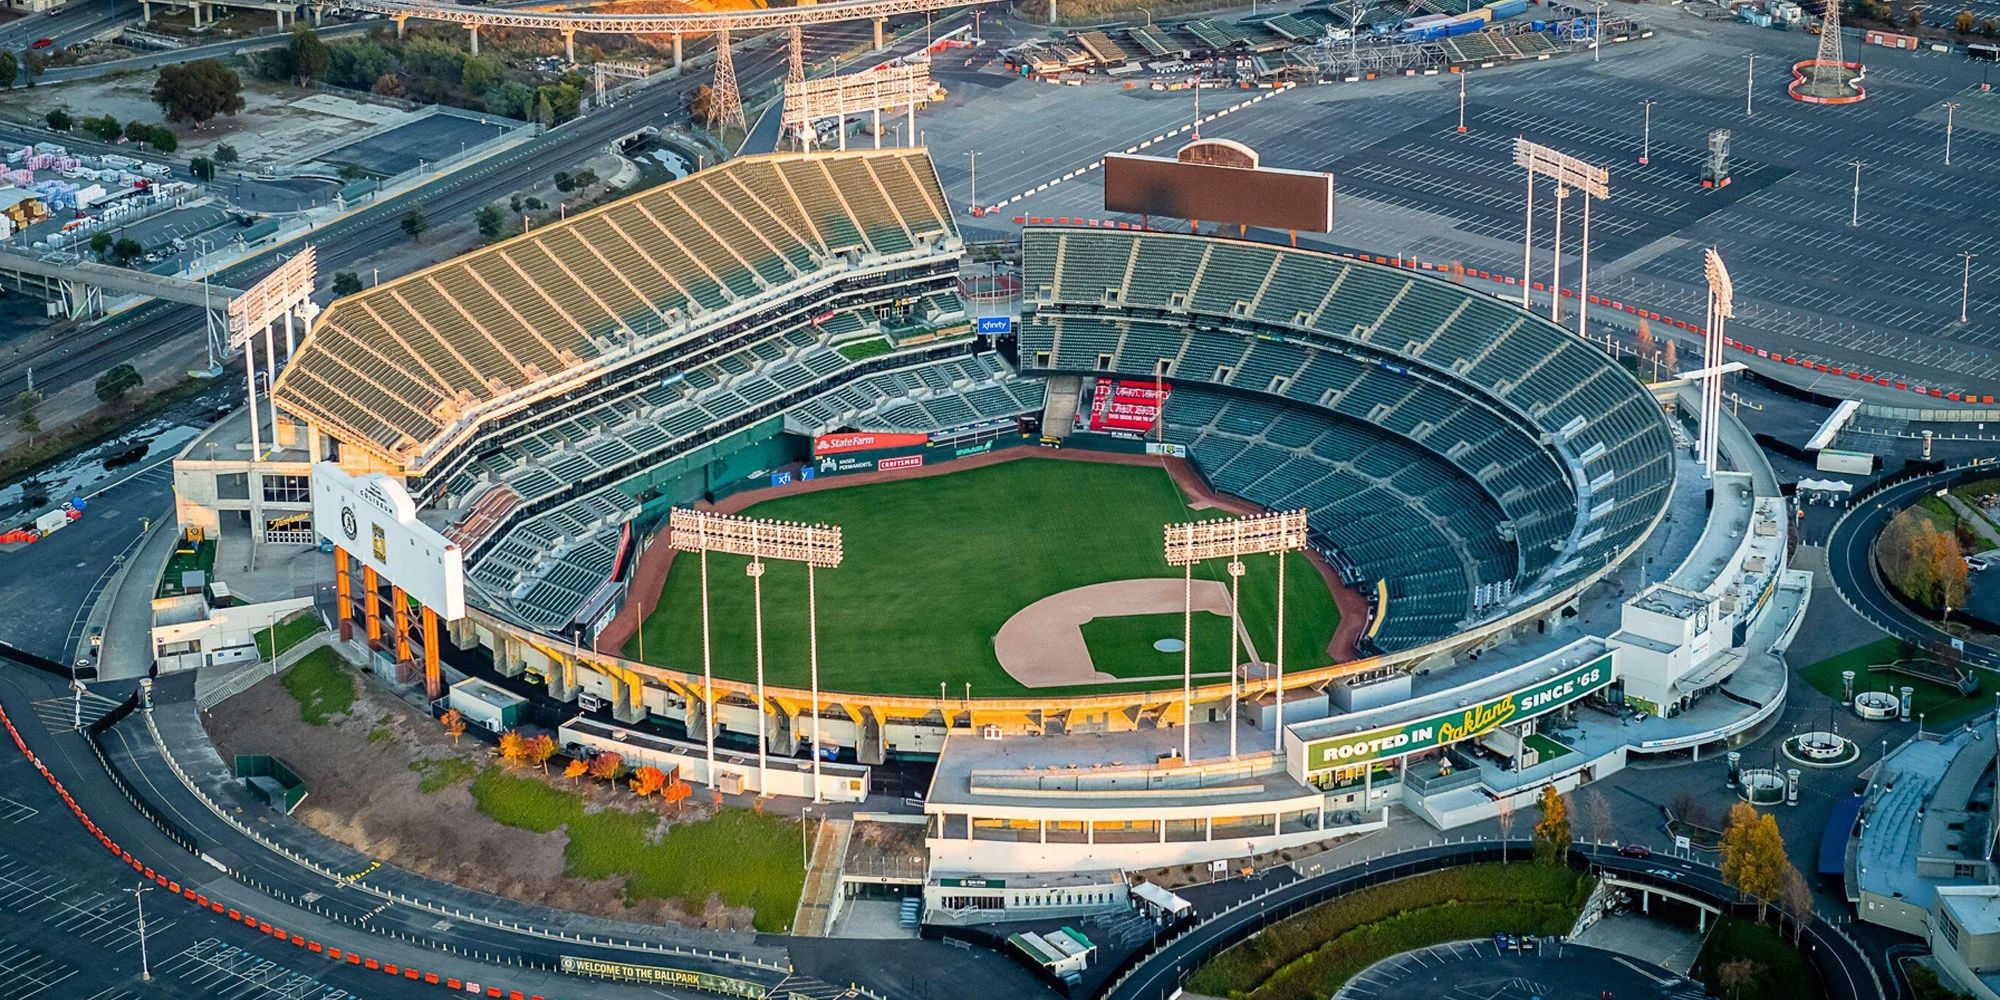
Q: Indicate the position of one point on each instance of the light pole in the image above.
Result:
(1461, 101)
(1950, 107)
(1965, 286)
(1597, 33)
(1854, 217)
(973, 196)
(139, 901)
(1646, 135)
(805, 821)
(1148, 11)
(1749, 85)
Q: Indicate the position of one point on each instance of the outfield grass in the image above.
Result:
(322, 684)
(935, 566)
(1939, 704)
(1310, 956)
(1781, 972)
(744, 858)
(1123, 646)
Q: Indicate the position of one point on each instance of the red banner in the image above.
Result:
(1127, 406)
(834, 444)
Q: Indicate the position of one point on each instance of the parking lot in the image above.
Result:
(1875, 288)
(1478, 969)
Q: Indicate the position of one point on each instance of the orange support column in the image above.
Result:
(344, 581)
(402, 603)
(373, 605)
(433, 669)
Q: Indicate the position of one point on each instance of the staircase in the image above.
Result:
(1059, 405)
(814, 916)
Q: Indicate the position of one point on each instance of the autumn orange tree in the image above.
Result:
(647, 780)
(454, 723)
(1753, 855)
(513, 749)
(540, 748)
(1552, 834)
(607, 766)
(575, 770)
(676, 793)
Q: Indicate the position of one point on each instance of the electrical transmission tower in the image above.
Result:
(795, 80)
(1829, 68)
(725, 106)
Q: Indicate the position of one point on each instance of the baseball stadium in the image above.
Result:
(782, 341)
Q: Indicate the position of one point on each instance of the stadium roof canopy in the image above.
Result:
(412, 364)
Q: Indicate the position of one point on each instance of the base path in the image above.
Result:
(1042, 644)
(649, 577)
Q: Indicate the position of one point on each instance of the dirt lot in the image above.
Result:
(364, 793)
(282, 123)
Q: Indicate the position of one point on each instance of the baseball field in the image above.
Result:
(936, 568)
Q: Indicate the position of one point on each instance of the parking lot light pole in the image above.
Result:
(139, 902)
(1965, 286)
(1950, 108)
(1854, 217)
(1461, 101)
(973, 195)
(1646, 135)
(1749, 86)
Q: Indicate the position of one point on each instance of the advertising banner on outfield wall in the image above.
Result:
(1462, 724)
(837, 444)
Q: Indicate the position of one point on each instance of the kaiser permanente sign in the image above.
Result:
(1459, 724)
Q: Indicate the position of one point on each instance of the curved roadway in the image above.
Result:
(1844, 966)
(1848, 561)
(652, 24)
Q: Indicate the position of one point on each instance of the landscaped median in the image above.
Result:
(1310, 956)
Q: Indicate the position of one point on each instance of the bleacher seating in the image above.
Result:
(1442, 421)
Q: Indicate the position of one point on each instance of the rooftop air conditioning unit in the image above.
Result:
(989, 732)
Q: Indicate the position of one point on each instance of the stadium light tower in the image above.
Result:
(816, 545)
(1190, 542)
(1567, 172)
(1721, 306)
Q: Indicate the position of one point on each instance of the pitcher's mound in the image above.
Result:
(1043, 646)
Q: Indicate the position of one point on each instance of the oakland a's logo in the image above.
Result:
(349, 524)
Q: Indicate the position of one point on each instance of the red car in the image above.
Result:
(42, 43)
(1640, 851)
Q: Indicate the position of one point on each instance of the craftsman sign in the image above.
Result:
(656, 975)
(1465, 723)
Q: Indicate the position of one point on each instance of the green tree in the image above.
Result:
(585, 178)
(114, 384)
(481, 74)
(1753, 855)
(58, 118)
(512, 98)
(1990, 27)
(34, 64)
(198, 91)
(352, 172)
(225, 153)
(100, 244)
(9, 69)
(414, 223)
(138, 131)
(1552, 836)
(346, 283)
(492, 221)
(104, 127)
(545, 112)
(28, 412)
(126, 250)
(164, 139)
(310, 58)
(202, 168)
(564, 182)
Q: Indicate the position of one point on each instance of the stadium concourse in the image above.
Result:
(1550, 583)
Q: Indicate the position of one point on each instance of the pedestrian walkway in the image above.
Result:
(822, 886)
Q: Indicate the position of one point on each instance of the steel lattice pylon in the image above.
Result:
(1830, 60)
(725, 105)
(795, 78)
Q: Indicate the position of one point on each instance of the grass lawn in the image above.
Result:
(1940, 705)
(862, 350)
(1548, 748)
(1941, 514)
(935, 566)
(683, 864)
(291, 632)
(201, 557)
(1123, 646)
(1310, 956)
(440, 773)
(1782, 973)
(322, 684)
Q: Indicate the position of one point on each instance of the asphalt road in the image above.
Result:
(1842, 964)
(94, 349)
(1848, 560)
